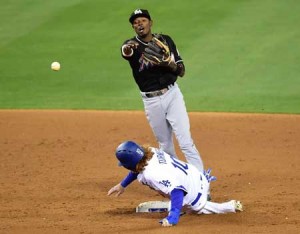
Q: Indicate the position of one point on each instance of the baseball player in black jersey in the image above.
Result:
(163, 101)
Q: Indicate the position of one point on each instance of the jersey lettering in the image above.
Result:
(161, 157)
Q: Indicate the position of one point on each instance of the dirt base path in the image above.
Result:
(57, 166)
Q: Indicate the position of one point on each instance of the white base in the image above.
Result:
(153, 206)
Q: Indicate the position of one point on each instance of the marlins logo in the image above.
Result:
(144, 64)
(138, 11)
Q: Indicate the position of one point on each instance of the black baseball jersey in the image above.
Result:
(150, 77)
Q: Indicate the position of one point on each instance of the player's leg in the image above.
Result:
(160, 126)
(221, 208)
(178, 117)
(201, 206)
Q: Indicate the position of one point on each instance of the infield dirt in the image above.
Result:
(57, 166)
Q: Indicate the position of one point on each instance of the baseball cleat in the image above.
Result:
(238, 206)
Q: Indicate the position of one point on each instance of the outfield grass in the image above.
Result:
(241, 55)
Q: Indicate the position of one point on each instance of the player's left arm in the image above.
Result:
(178, 67)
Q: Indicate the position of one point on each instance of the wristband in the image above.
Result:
(128, 179)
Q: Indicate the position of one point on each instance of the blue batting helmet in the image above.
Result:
(129, 154)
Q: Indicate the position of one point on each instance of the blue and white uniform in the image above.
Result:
(182, 182)
(165, 173)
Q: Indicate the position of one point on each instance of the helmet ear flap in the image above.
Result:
(129, 154)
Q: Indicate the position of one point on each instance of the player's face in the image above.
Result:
(142, 26)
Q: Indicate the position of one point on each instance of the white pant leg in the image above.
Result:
(178, 117)
(217, 208)
(161, 128)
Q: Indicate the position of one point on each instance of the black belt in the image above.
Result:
(158, 92)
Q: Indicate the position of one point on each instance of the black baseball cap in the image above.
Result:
(139, 13)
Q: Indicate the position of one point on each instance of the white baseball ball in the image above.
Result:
(55, 66)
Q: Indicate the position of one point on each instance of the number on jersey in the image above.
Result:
(180, 165)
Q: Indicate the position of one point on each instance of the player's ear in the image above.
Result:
(151, 23)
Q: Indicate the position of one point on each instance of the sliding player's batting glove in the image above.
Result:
(208, 176)
(172, 219)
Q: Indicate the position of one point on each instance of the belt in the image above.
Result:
(198, 195)
(196, 199)
(158, 92)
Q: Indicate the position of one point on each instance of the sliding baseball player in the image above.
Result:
(182, 182)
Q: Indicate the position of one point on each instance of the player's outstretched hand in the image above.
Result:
(172, 219)
(165, 223)
(132, 44)
(118, 189)
(127, 49)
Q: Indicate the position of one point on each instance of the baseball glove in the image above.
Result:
(158, 53)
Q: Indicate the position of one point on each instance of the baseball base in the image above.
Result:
(153, 206)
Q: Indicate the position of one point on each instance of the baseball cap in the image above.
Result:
(139, 13)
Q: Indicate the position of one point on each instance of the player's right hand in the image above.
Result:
(132, 44)
(118, 189)
(172, 219)
(165, 223)
(128, 47)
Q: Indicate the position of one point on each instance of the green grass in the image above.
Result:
(240, 55)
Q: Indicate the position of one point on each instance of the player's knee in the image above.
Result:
(169, 149)
(188, 147)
